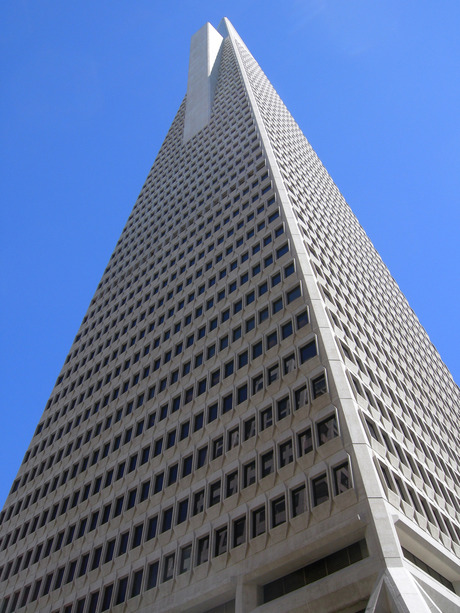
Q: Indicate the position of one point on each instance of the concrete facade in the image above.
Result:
(250, 418)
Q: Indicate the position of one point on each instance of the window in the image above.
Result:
(187, 464)
(320, 490)
(152, 575)
(242, 393)
(172, 474)
(298, 500)
(302, 319)
(263, 315)
(257, 350)
(286, 454)
(185, 563)
(283, 407)
(308, 351)
(342, 478)
(202, 456)
(168, 568)
(266, 418)
(167, 520)
(258, 521)
(107, 597)
(198, 502)
(123, 543)
(278, 507)
(239, 531)
(273, 374)
(184, 430)
(249, 428)
(293, 294)
(277, 305)
(182, 510)
(289, 364)
(202, 555)
(250, 324)
(152, 528)
(249, 473)
(227, 403)
(158, 486)
(300, 397)
(233, 438)
(271, 340)
(214, 493)
(231, 486)
(327, 429)
(220, 541)
(242, 359)
(228, 369)
(198, 422)
(305, 442)
(318, 386)
(266, 464)
(217, 447)
(136, 583)
(286, 330)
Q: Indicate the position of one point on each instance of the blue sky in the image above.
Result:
(88, 91)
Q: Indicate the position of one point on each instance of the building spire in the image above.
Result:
(202, 78)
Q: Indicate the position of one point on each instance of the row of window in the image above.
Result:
(289, 363)
(210, 352)
(228, 536)
(179, 286)
(326, 429)
(393, 482)
(411, 462)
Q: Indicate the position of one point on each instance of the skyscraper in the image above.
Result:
(250, 416)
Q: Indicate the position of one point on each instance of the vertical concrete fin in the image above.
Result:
(202, 79)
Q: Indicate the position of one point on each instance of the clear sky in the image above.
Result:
(88, 91)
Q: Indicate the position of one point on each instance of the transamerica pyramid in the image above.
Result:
(251, 418)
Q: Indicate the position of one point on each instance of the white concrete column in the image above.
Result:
(202, 79)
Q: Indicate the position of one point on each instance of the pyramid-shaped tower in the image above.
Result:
(251, 417)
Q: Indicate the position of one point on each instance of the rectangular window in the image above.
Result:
(220, 541)
(249, 428)
(286, 454)
(266, 464)
(258, 521)
(266, 418)
(187, 464)
(289, 364)
(298, 500)
(342, 478)
(182, 510)
(185, 563)
(283, 407)
(318, 386)
(152, 575)
(273, 374)
(239, 531)
(202, 550)
(300, 398)
(198, 502)
(231, 486)
(305, 442)
(167, 520)
(214, 493)
(327, 429)
(320, 489)
(123, 543)
(168, 568)
(293, 294)
(249, 473)
(278, 507)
